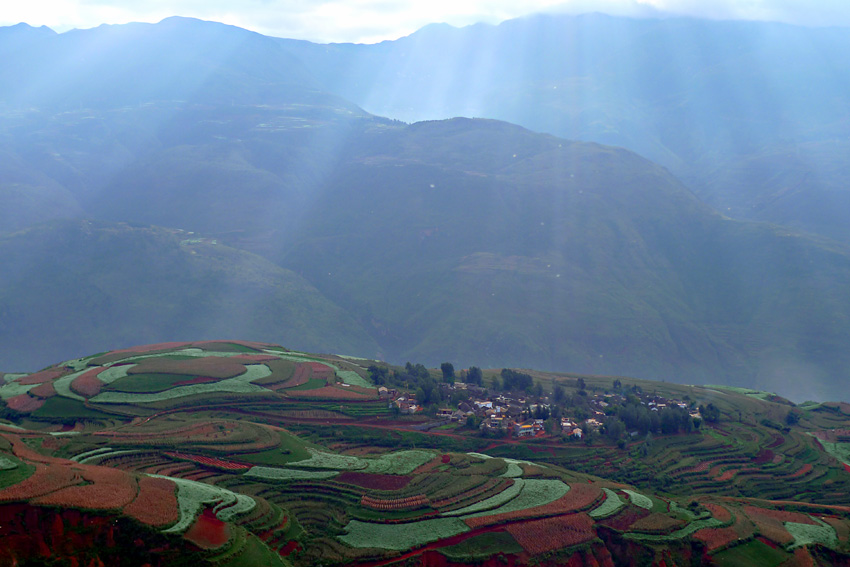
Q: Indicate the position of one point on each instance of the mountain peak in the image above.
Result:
(23, 28)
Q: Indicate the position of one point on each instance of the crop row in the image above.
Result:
(534, 494)
(271, 473)
(45, 390)
(560, 506)
(395, 504)
(88, 384)
(807, 534)
(691, 528)
(779, 515)
(156, 503)
(400, 462)
(375, 481)
(472, 493)
(44, 480)
(41, 377)
(656, 524)
(24, 403)
(609, 507)
(720, 512)
(192, 496)
(492, 502)
(7, 464)
(639, 500)
(107, 489)
(330, 393)
(401, 537)
(716, 538)
(209, 461)
(550, 534)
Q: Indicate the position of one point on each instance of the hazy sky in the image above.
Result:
(368, 21)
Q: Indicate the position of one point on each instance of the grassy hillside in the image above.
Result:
(519, 249)
(71, 285)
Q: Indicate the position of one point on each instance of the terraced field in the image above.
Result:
(188, 443)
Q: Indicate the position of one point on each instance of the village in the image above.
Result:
(542, 414)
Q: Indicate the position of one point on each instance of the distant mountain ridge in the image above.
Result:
(751, 115)
(474, 241)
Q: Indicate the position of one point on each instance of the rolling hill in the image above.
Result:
(71, 285)
(232, 453)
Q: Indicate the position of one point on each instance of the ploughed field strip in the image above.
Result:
(188, 442)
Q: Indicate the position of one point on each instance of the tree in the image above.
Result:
(710, 413)
(793, 417)
(516, 381)
(580, 384)
(378, 374)
(558, 393)
(474, 375)
(448, 372)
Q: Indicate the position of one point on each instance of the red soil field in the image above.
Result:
(719, 512)
(208, 532)
(624, 519)
(88, 384)
(804, 470)
(764, 456)
(428, 467)
(110, 489)
(156, 503)
(728, 475)
(780, 515)
(321, 371)
(715, 538)
(44, 480)
(802, 558)
(840, 527)
(769, 527)
(374, 481)
(45, 390)
(23, 451)
(657, 523)
(209, 366)
(42, 377)
(300, 376)
(580, 497)
(24, 403)
(541, 536)
(329, 393)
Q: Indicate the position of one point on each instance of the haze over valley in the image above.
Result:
(679, 215)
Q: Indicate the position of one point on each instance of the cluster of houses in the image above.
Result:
(514, 416)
